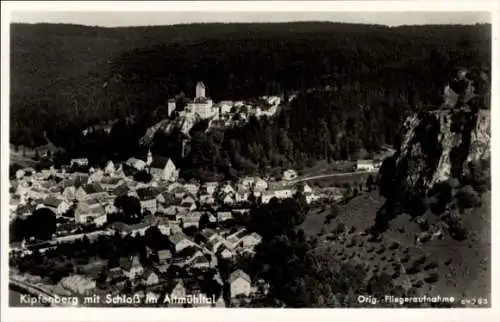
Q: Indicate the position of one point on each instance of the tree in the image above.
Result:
(41, 224)
(204, 221)
(142, 176)
(128, 205)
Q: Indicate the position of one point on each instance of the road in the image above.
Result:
(330, 175)
(28, 288)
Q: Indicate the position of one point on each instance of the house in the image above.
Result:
(96, 176)
(176, 289)
(78, 284)
(149, 277)
(240, 283)
(125, 229)
(290, 174)
(163, 169)
(225, 253)
(86, 213)
(110, 183)
(259, 185)
(208, 234)
(311, 198)
(138, 229)
(135, 163)
(178, 192)
(284, 193)
(147, 197)
(365, 165)
(132, 267)
(224, 216)
(89, 190)
(164, 226)
(109, 168)
(99, 221)
(206, 199)
(192, 188)
(250, 241)
(306, 189)
(191, 219)
(228, 199)
(241, 212)
(210, 187)
(115, 275)
(227, 189)
(164, 256)
(200, 261)
(38, 194)
(58, 206)
(188, 203)
(266, 196)
(82, 162)
(180, 241)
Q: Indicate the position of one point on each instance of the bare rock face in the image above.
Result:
(182, 123)
(439, 144)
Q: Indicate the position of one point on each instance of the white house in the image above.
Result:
(260, 185)
(163, 169)
(250, 241)
(86, 213)
(131, 267)
(290, 174)
(79, 162)
(58, 206)
(136, 164)
(150, 277)
(180, 241)
(365, 165)
(99, 221)
(240, 283)
(284, 193)
(266, 196)
(78, 284)
(109, 168)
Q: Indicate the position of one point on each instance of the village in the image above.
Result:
(85, 203)
(203, 223)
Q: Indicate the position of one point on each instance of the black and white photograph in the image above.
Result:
(247, 159)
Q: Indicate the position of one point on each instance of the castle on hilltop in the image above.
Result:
(201, 105)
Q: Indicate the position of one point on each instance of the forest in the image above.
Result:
(355, 84)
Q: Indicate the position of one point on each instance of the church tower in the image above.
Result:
(149, 160)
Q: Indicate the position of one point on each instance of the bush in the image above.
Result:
(432, 278)
(394, 246)
(457, 229)
(430, 266)
(447, 262)
(418, 284)
(468, 198)
(414, 269)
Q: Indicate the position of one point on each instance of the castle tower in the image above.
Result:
(200, 90)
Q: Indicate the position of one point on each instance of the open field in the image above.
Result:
(440, 267)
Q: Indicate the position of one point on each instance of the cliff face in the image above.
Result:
(182, 123)
(440, 144)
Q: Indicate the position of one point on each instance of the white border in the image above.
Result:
(86, 314)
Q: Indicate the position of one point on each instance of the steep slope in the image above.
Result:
(182, 124)
(440, 144)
